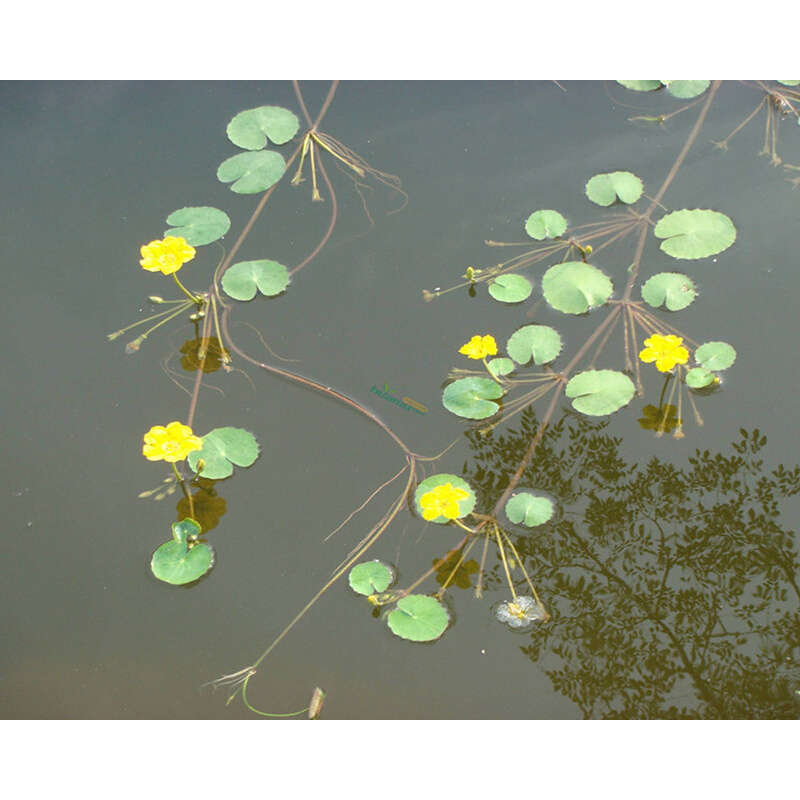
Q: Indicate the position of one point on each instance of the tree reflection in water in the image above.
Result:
(673, 592)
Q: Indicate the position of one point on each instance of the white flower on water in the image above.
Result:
(519, 612)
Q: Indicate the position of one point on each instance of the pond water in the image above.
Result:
(672, 589)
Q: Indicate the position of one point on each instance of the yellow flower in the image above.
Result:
(442, 501)
(666, 351)
(172, 443)
(166, 255)
(480, 347)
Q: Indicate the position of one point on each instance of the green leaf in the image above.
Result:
(465, 506)
(599, 392)
(472, 398)
(715, 355)
(222, 448)
(186, 529)
(242, 280)
(684, 90)
(545, 224)
(418, 618)
(540, 343)
(250, 129)
(500, 366)
(510, 288)
(177, 562)
(574, 287)
(680, 89)
(529, 509)
(199, 225)
(252, 172)
(695, 233)
(673, 290)
(642, 86)
(371, 577)
(699, 378)
(606, 188)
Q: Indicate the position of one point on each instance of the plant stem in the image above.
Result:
(198, 301)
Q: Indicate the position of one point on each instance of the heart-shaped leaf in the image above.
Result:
(700, 377)
(539, 343)
(600, 392)
(222, 448)
(545, 224)
(529, 509)
(252, 172)
(472, 398)
(672, 290)
(242, 280)
(182, 560)
(606, 188)
(510, 288)
(250, 129)
(199, 225)
(500, 366)
(574, 287)
(715, 355)
(695, 233)
(371, 577)
(418, 618)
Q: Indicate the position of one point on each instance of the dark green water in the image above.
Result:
(87, 632)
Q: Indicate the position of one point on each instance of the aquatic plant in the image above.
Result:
(488, 510)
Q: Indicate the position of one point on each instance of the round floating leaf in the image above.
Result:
(540, 343)
(606, 188)
(510, 288)
(695, 233)
(250, 129)
(545, 224)
(680, 89)
(199, 225)
(699, 378)
(371, 577)
(418, 618)
(222, 448)
(599, 392)
(176, 563)
(574, 287)
(684, 90)
(715, 355)
(252, 172)
(243, 279)
(465, 506)
(529, 509)
(472, 398)
(500, 366)
(670, 289)
(641, 86)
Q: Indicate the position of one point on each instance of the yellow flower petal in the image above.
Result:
(442, 501)
(479, 347)
(166, 255)
(666, 351)
(171, 443)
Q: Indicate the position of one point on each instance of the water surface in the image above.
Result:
(96, 167)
